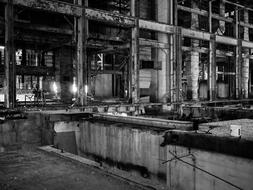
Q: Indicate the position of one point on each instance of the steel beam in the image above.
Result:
(109, 17)
(156, 26)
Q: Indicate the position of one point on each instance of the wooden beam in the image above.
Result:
(10, 63)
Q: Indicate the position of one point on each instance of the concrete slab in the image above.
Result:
(36, 170)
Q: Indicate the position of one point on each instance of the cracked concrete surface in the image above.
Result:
(40, 171)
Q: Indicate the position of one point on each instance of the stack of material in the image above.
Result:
(222, 128)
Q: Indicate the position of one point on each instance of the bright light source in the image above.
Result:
(55, 88)
(74, 88)
(86, 89)
(1, 47)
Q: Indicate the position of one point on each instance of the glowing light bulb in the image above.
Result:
(86, 89)
(55, 88)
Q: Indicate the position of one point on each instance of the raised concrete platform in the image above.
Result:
(222, 128)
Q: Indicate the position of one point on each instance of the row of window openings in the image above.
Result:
(28, 82)
(32, 58)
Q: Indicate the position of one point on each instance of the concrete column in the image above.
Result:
(193, 66)
(163, 54)
(81, 67)
(245, 63)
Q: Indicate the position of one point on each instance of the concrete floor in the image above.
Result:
(40, 171)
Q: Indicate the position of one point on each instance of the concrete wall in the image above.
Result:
(132, 149)
(21, 133)
(118, 145)
(181, 176)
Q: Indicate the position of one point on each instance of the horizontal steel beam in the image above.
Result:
(109, 17)
(118, 19)
(152, 43)
(51, 6)
(151, 122)
(156, 26)
(32, 70)
(76, 10)
(196, 34)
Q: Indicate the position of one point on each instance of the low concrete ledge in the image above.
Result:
(226, 145)
(152, 122)
(69, 156)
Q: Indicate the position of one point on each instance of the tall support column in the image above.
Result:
(238, 58)
(245, 63)
(10, 64)
(212, 90)
(172, 60)
(134, 59)
(178, 45)
(81, 57)
(163, 54)
(193, 75)
(212, 69)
